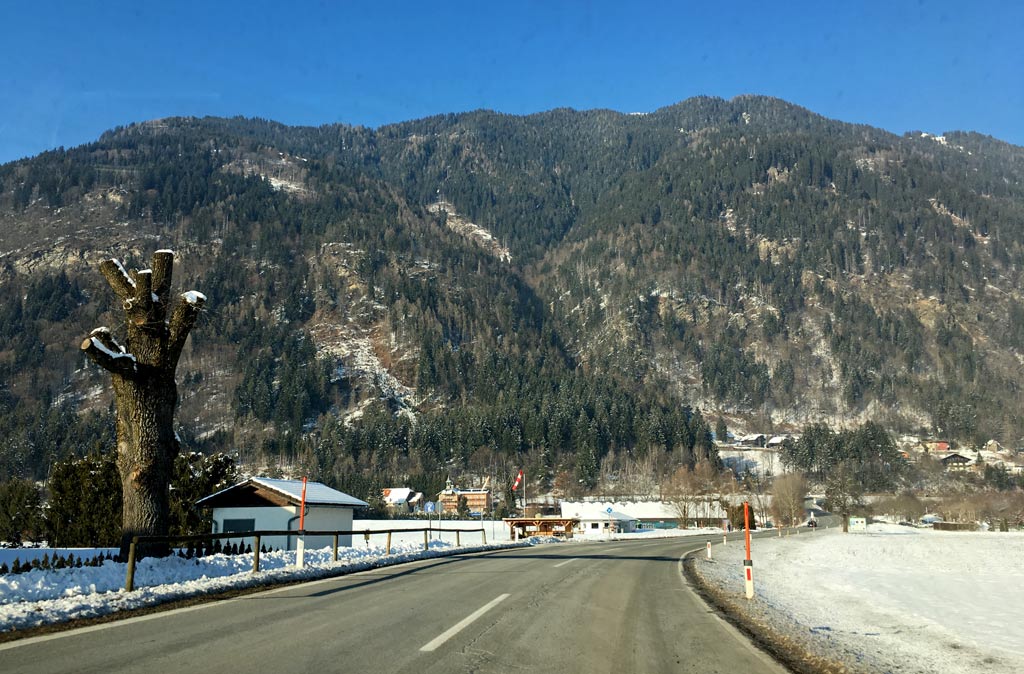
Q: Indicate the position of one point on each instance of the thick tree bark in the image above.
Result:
(146, 393)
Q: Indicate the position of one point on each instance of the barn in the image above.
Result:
(266, 504)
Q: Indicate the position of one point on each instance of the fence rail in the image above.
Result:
(257, 536)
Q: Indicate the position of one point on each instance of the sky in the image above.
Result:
(71, 70)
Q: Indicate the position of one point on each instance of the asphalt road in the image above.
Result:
(620, 606)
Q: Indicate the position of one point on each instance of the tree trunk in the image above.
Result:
(146, 394)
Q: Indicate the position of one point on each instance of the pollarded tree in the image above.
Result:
(142, 372)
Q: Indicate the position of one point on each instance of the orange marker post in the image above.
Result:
(748, 565)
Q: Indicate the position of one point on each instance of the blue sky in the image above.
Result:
(70, 70)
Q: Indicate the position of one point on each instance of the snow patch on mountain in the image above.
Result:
(470, 230)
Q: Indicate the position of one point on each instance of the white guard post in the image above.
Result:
(709, 549)
(748, 577)
(300, 552)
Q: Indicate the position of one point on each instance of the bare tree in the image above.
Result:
(788, 494)
(682, 490)
(142, 373)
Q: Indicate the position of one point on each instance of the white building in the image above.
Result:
(264, 504)
(402, 499)
(598, 519)
(704, 510)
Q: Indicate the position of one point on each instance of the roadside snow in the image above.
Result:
(893, 599)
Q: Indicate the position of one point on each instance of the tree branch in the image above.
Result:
(118, 278)
(163, 266)
(101, 347)
(139, 309)
(186, 312)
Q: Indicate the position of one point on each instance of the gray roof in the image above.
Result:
(316, 492)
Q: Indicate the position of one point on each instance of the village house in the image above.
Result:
(477, 500)
(402, 499)
(265, 504)
(955, 462)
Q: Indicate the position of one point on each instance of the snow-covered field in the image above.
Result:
(49, 596)
(893, 599)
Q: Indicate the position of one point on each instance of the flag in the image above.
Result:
(519, 478)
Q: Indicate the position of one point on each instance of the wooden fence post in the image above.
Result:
(425, 545)
(484, 532)
(255, 553)
(389, 542)
(129, 581)
(335, 547)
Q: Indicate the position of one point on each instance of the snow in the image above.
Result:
(194, 297)
(42, 597)
(891, 599)
(124, 272)
(314, 493)
(113, 354)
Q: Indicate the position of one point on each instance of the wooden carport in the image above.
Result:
(524, 527)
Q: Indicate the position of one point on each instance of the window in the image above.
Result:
(239, 525)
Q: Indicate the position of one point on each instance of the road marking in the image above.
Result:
(464, 623)
(566, 562)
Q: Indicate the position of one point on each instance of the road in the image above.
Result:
(619, 606)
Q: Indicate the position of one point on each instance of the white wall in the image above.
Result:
(278, 518)
(605, 527)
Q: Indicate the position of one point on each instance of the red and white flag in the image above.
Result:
(519, 478)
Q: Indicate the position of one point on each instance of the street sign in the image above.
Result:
(608, 510)
(429, 506)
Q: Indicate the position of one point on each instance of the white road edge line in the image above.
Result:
(566, 562)
(464, 623)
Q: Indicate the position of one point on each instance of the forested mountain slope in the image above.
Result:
(570, 290)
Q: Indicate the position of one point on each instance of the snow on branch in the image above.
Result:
(182, 321)
(194, 297)
(118, 278)
(101, 347)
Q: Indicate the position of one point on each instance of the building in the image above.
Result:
(703, 511)
(265, 504)
(955, 462)
(524, 527)
(478, 500)
(402, 499)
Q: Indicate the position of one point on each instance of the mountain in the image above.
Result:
(578, 291)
